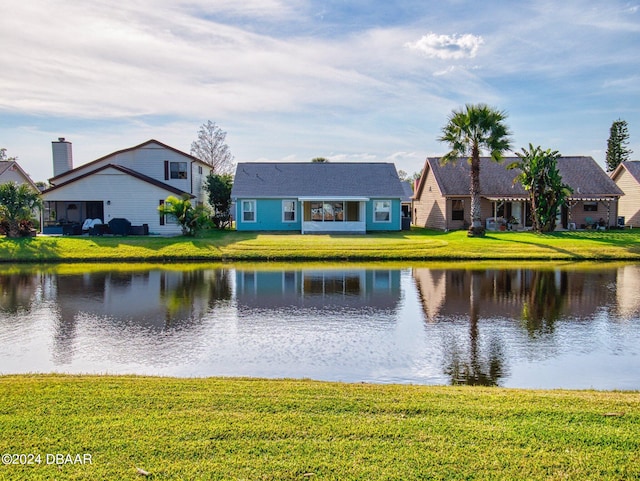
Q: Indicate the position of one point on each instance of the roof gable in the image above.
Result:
(12, 165)
(421, 182)
(122, 151)
(582, 173)
(132, 173)
(633, 167)
(308, 179)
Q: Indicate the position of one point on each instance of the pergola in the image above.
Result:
(573, 200)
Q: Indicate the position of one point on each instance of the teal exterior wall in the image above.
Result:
(269, 217)
(396, 217)
(312, 288)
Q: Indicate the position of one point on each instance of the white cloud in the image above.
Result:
(282, 83)
(135, 60)
(354, 157)
(447, 47)
(274, 9)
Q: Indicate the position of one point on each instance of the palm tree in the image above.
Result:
(18, 204)
(540, 176)
(468, 132)
(191, 219)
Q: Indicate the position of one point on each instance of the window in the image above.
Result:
(457, 209)
(200, 169)
(248, 210)
(332, 211)
(591, 207)
(162, 216)
(381, 280)
(288, 211)
(248, 283)
(178, 170)
(382, 211)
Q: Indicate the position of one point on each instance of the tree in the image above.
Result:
(320, 160)
(617, 150)
(212, 148)
(3, 155)
(17, 206)
(540, 176)
(219, 188)
(468, 132)
(191, 219)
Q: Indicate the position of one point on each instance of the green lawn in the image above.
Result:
(417, 244)
(235, 429)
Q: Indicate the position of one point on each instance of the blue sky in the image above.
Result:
(289, 80)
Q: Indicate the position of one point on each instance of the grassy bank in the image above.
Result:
(295, 430)
(417, 244)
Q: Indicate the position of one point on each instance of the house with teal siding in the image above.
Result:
(317, 197)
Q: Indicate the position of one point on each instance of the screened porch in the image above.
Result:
(333, 215)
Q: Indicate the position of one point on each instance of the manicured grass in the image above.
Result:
(417, 244)
(294, 430)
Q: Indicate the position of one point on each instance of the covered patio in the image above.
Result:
(509, 213)
(590, 212)
(68, 217)
(323, 215)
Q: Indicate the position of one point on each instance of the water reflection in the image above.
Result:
(318, 289)
(153, 298)
(130, 307)
(537, 298)
(524, 327)
(479, 366)
(18, 291)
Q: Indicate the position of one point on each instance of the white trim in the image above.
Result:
(335, 198)
(295, 211)
(388, 221)
(255, 211)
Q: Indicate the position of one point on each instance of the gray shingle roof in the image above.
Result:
(633, 167)
(583, 174)
(308, 179)
(408, 191)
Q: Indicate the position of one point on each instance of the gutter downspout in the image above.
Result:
(191, 177)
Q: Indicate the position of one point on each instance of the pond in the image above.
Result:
(571, 326)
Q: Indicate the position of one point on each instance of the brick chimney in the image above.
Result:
(62, 157)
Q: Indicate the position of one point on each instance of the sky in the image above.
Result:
(290, 80)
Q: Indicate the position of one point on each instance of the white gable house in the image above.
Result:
(128, 184)
(10, 171)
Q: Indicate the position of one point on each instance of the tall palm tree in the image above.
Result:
(468, 132)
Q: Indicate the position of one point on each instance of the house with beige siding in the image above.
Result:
(627, 178)
(442, 199)
(127, 184)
